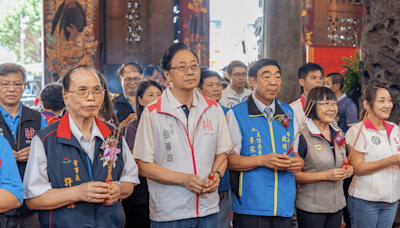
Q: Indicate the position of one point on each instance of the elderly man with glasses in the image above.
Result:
(235, 92)
(130, 75)
(71, 159)
(18, 124)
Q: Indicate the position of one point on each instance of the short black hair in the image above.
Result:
(337, 78)
(206, 74)
(51, 97)
(135, 65)
(149, 70)
(260, 64)
(66, 80)
(171, 52)
(234, 64)
(8, 68)
(307, 68)
(317, 94)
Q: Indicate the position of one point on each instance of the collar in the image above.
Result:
(254, 111)
(167, 103)
(67, 126)
(341, 97)
(261, 106)
(50, 114)
(5, 114)
(303, 100)
(236, 95)
(314, 129)
(175, 103)
(129, 101)
(369, 125)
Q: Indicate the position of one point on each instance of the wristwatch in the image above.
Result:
(120, 186)
(219, 174)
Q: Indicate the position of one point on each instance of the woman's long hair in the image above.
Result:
(140, 90)
(107, 109)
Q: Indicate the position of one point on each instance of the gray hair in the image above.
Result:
(66, 80)
(8, 68)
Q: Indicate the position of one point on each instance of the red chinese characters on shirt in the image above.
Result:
(29, 133)
(207, 125)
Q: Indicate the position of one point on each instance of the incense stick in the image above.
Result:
(305, 117)
(230, 149)
(355, 142)
(111, 162)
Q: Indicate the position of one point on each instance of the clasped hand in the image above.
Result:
(282, 162)
(196, 185)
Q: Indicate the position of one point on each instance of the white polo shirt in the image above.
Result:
(383, 185)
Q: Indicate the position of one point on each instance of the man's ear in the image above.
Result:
(302, 82)
(337, 86)
(253, 81)
(167, 75)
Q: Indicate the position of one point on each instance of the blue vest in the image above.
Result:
(263, 191)
(68, 165)
(224, 184)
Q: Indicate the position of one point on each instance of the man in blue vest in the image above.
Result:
(18, 124)
(210, 85)
(262, 179)
(70, 160)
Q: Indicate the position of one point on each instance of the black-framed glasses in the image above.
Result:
(238, 75)
(17, 85)
(327, 105)
(130, 80)
(83, 93)
(184, 69)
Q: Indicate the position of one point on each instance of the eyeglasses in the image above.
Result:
(83, 93)
(16, 85)
(184, 69)
(130, 80)
(327, 105)
(238, 75)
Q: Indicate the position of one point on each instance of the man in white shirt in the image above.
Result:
(235, 92)
(71, 160)
(181, 140)
(310, 76)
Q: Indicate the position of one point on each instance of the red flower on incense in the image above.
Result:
(340, 140)
(284, 120)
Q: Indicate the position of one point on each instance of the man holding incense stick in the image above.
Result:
(181, 139)
(70, 160)
(262, 180)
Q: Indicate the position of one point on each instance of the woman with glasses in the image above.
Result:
(70, 162)
(375, 189)
(180, 141)
(320, 198)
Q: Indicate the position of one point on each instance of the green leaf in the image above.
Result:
(10, 30)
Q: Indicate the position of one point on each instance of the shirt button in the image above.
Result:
(12, 132)
(11, 124)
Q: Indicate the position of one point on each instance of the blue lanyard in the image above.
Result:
(89, 167)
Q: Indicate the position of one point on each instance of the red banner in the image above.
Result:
(330, 57)
(195, 27)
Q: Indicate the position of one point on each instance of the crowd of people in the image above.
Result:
(182, 146)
